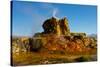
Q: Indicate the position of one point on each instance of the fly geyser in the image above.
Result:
(57, 36)
(56, 44)
(58, 27)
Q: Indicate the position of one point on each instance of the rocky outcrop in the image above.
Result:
(50, 26)
(55, 26)
(64, 27)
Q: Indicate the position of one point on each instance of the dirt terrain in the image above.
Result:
(29, 58)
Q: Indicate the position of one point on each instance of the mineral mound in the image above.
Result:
(57, 37)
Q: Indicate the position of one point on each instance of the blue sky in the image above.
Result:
(28, 17)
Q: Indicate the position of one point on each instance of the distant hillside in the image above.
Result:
(93, 36)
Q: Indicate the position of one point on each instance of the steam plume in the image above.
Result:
(54, 12)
